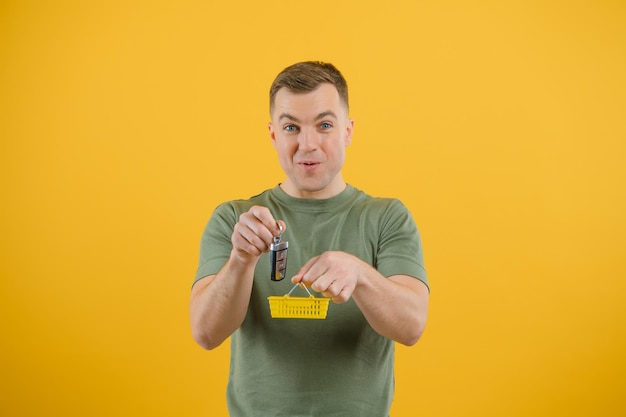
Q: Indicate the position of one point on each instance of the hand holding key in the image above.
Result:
(254, 233)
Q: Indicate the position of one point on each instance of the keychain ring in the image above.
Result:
(279, 237)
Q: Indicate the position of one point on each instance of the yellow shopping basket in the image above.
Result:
(288, 307)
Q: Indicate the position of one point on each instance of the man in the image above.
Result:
(362, 252)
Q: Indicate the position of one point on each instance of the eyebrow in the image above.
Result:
(318, 117)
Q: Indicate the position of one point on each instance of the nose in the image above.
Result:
(308, 140)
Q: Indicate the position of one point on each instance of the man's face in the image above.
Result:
(310, 132)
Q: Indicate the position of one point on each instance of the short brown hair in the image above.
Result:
(305, 77)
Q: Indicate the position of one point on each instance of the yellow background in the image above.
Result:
(500, 124)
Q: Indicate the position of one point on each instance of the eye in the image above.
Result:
(290, 128)
(325, 126)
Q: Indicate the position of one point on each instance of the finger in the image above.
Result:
(320, 279)
(253, 232)
(304, 269)
(282, 226)
(337, 292)
(264, 216)
(332, 290)
(310, 271)
(247, 240)
(343, 296)
(255, 222)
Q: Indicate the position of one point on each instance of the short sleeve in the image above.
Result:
(400, 247)
(216, 245)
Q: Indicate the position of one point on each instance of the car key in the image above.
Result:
(278, 257)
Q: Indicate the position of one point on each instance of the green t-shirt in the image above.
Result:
(295, 367)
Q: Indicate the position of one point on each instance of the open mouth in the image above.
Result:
(309, 166)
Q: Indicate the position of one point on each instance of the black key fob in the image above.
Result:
(278, 257)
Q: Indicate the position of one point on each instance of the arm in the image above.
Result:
(219, 302)
(396, 307)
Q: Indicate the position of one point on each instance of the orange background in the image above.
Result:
(499, 124)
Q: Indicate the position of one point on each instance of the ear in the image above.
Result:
(272, 133)
(349, 130)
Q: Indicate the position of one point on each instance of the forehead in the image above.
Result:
(324, 98)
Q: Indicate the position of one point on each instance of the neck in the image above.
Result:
(334, 188)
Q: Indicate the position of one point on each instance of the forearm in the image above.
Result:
(396, 307)
(219, 303)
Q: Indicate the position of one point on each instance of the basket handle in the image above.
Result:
(303, 286)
